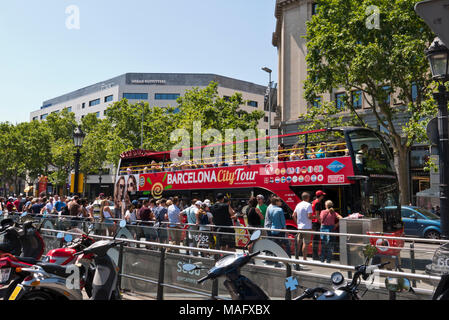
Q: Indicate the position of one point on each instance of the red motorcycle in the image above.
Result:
(10, 266)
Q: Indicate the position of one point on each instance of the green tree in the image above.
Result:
(204, 105)
(94, 151)
(383, 62)
(215, 112)
(61, 126)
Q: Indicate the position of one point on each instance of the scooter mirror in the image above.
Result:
(122, 224)
(398, 284)
(68, 238)
(189, 267)
(256, 235)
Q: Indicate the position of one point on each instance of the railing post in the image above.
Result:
(120, 266)
(412, 261)
(288, 292)
(215, 282)
(296, 251)
(160, 283)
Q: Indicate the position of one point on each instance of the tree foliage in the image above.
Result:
(47, 148)
(383, 62)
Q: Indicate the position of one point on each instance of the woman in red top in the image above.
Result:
(329, 222)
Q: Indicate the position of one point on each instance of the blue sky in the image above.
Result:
(41, 58)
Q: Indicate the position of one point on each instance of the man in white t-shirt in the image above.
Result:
(303, 215)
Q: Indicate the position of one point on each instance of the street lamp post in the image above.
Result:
(78, 139)
(100, 173)
(141, 125)
(438, 55)
(269, 99)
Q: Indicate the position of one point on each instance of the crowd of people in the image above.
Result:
(164, 219)
(54, 205)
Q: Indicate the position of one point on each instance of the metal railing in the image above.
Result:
(288, 262)
(156, 243)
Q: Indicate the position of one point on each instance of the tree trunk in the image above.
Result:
(402, 169)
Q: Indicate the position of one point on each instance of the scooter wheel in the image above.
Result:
(37, 295)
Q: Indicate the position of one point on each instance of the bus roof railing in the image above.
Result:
(146, 153)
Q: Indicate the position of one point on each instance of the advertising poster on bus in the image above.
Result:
(125, 188)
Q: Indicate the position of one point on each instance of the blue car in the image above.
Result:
(420, 223)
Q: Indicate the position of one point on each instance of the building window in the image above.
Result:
(388, 91)
(83, 105)
(35, 118)
(314, 8)
(69, 109)
(265, 119)
(356, 99)
(414, 92)
(419, 158)
(317, 102)
(340, 101)
(135, 96)
(166, 96)
(98, 114)
(108, 98)
(44, 116)
(94, 102)
(253, 104)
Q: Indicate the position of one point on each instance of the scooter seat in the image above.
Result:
(28, 260)
(60, 271)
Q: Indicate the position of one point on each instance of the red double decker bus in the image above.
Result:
(353, 166)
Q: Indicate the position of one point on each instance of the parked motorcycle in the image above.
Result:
(239, 287)
(54, 282)
(401, 285)
(21, 239)
(347, 292)
(10, 278)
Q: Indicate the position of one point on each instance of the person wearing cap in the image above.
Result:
(190, 213)
(223, 216)
(317, 207)
(204, 218)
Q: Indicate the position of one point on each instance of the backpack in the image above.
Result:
(65, 211)
(204, 220)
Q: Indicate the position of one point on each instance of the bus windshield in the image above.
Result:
(370, 153)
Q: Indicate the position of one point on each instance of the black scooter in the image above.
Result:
(239, 287)
(105, 281)
(21, 239)
(347, 292)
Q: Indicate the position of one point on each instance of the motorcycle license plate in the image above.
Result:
(4, 275)
(15, 293)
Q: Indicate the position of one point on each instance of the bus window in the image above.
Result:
(329, 144)
(371, 155)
